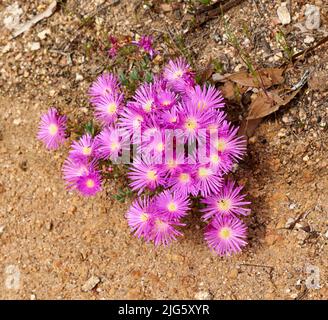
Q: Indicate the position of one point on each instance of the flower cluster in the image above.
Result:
(181, 145)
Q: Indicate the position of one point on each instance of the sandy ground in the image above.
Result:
(52, 242)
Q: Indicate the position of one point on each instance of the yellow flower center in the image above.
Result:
(191, 124)
(215, 158)
(171, 164)
(90, 183)
(221, 145)
(112, 107)
(184, 177)
(166, 102)
(177, 74)
(53, 129)
(173, 119)
(114, 145)
(204, 172)
(144, 217)
(148, 105)
(151, 175)
(86, 151)
(160, 147)
(225, 233)
(172, 207)
(224, 204)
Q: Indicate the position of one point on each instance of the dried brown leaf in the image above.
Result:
(265, 77)
(232, 91)
(248, 127)
(267, 103)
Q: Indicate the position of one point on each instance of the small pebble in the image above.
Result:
(203, 295)
(43, 34)
(252, 140)
(34, 46)
(283, 14)
(308, 40)
(17, 122)
(78, 77)
(90, 284)
(289, 223)
(312, 14)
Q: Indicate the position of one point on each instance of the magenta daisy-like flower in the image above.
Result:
(89, 184)
(165, 99)
(216, 123)
(159, 83)
(226, 235)
(144, 98)
(172, 205)
(73, 169)
(140, 217)
(173, 161)
(194, 122)
(83, 149)
(220, 163)
(205, 98)
(229, 143)
(52, 129)
(183, 180)
(107, 108)
(207, 181)
(105, 84)
(153, 144)
(169, 119)
(164, 230)
(228, 202)
(131, 120)
(145, 174)
(179, 75)
(110, 143)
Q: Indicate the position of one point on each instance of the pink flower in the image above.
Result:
(172, 204)
(111, 143)
(207, 180)
(205, 98)
(164, 230)
(228, 202)
(108, 107)
(89, 184)
(52, 129)
(140, 217)
(183, 180)
(226, 235)
(228, 143)
(83, 149)
(145, 174)
(106, 84)
(179, 75)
